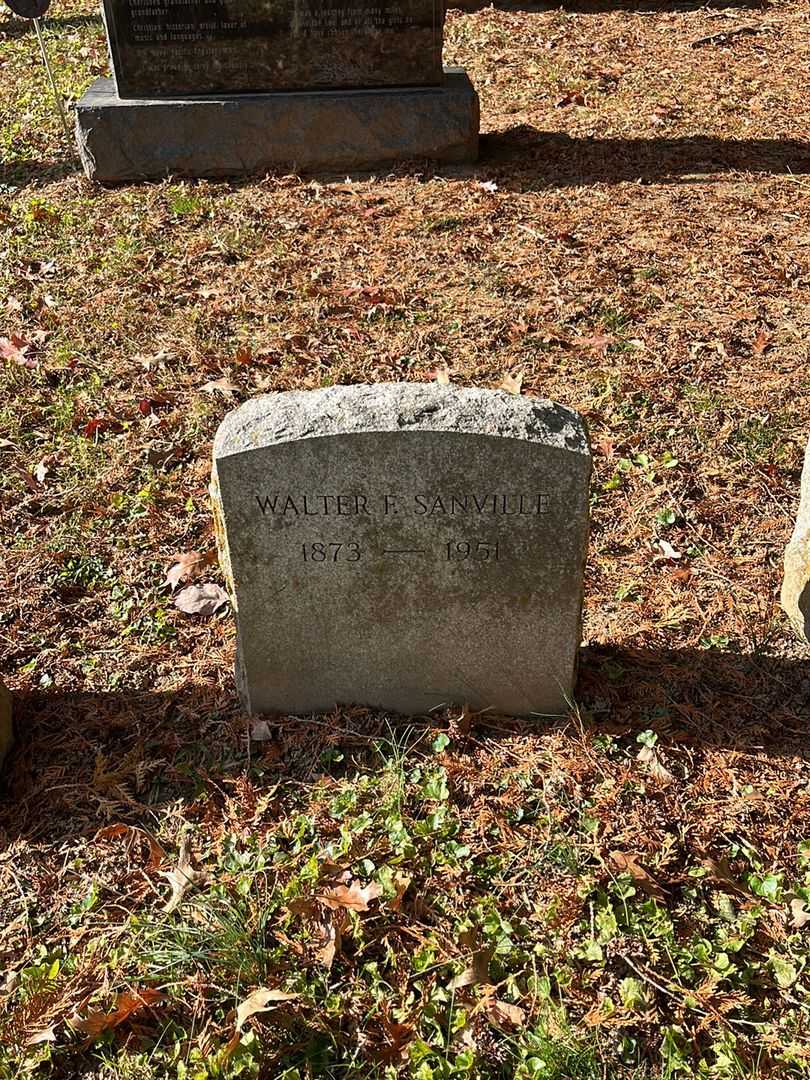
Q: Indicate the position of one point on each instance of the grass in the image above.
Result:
(501, 939)
(623, 894)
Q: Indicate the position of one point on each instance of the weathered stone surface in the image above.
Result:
(796, 583)
(403, 546)
(169, 48)
(6, 728)
(121, 141)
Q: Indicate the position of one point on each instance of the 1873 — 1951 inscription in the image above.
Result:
(403, 546)
(171, 48)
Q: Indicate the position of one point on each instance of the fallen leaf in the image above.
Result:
(459, 726)
(801, 913)
(27, 478)
(721, 874)
(155, 360)
(502, 1014)
(401, 883)
(626, 863)
(573, 97)
(398, 1038)
(148, 405)
(201, 599)
(260, 1001)
(442, 375)
(160, 458)
(371, 296)
(597, 342)
(272, 750)
(511, 383)
(230, 1048)
(126, 1004)
(260, 731)
(761, 342)
(15, 349)
(45, 1035)
(188, 565)
(517, 330)
(477, 973)
(353, 896)
(303, 905)
(669, 551)
(98, 425)
(10, 350)
(220, 386)
(182, 877)
(157, 855)
(648, 756)
(330, 932)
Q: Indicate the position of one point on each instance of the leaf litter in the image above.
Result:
(659, 206)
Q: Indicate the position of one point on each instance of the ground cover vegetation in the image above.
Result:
(625, 893)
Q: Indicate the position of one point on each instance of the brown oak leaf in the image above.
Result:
(96, 1023)
(352, 896)
(627, 863)
(187, 566)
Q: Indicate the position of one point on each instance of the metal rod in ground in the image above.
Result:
(60, 108)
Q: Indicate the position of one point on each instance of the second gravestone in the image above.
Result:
(403, 546)
(232, 87)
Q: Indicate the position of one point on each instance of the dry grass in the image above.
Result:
(644, 258)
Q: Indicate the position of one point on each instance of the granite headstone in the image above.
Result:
(403, 546)
(171, 48)
(237, 87)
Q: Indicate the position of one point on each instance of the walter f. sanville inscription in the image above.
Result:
(418, 503)
(403, 546)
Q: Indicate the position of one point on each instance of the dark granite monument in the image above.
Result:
(166, 48)
(225, 87)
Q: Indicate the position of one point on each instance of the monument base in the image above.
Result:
(123, 140)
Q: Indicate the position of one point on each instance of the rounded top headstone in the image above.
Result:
(403, 546)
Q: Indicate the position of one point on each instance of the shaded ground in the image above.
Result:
(622, 894)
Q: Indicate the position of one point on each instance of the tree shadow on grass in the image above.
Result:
(706, 698)
(13, 27)
(85, 760)
(527, 159)
(20, 174)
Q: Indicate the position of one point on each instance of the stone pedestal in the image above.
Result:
(123, 140)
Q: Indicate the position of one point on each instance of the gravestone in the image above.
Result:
(223, 87)
(796, 583)
(166, 48)
(403, 546)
